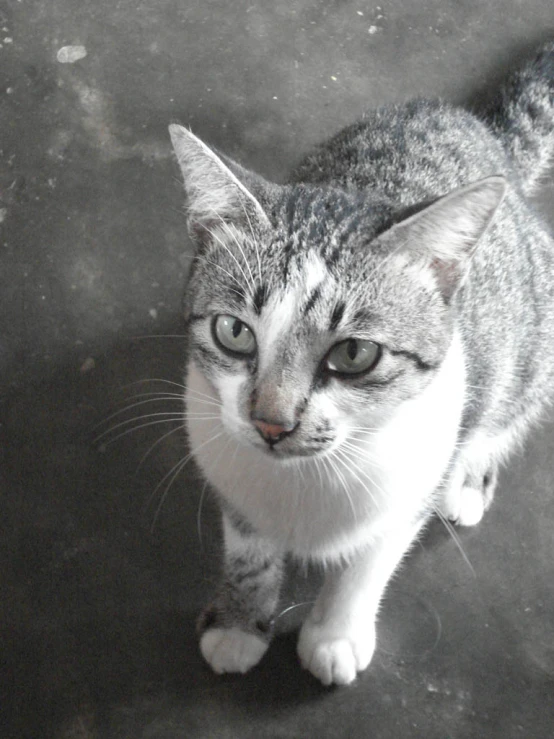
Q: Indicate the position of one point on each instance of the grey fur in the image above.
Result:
(249, 589)
(361, 201)
(522, 117)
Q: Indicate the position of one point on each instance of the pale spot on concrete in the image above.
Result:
(71, 54)
(88, 365)
(99, 123)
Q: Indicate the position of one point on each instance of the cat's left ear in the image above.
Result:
(444, 235)
(216, 191)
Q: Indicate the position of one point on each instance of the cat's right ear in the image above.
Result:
(443, 236)
(215, 193)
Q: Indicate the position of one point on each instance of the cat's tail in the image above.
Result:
(523, 117)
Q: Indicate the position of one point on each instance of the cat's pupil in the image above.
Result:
(352, 349)
(237, 328)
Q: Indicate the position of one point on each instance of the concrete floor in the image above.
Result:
(100, 589)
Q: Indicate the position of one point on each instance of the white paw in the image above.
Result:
(464, 507)
(471, 507)
(231, 650)
(335, 657)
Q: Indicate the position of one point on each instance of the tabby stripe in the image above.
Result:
(260, 298)
(415, 358)
(212, 357)
(312, 300)
(251, 574)
(336, 316)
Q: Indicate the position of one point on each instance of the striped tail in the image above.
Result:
(523, 117)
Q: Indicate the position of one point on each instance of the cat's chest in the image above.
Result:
(310, 509)
(326, 507)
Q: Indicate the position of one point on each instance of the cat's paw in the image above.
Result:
(333, 655)
(231, 650)
(466, 505)
(466, 508)
(472, 507)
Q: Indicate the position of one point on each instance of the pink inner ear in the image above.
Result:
(448, 274)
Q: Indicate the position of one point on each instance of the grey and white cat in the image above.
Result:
(368, 343)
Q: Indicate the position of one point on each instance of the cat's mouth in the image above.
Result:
(287, 450)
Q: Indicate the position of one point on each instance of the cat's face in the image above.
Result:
(319, 345)
(309, 318)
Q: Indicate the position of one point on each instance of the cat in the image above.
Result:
(368, 342)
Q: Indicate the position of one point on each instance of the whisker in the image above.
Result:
(254, 240)
(106, 444)
(155, 379)
(199, 515)
(178, 415)
(318, 464)
(364, 429)
(161, 394)
(133, 405)
(361, 453)
(331, 459)
(224, 246)
(202, 402)
(155, 444)
(173, 397)
(184, 388)
(348, 459)
(215, 264)
(241, 292)
(229, 231)
(300, 463)
(291, 608)
(197, 393)
(456, 539)
(176, 470)
(201, 501)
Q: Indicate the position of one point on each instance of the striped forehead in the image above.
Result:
(286, 308)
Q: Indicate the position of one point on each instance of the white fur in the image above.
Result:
(461, 503)
(405, 462)
(308, 512)
(274, 323)
(315, 272)
(282, 309)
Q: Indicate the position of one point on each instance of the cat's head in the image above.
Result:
(313, 313)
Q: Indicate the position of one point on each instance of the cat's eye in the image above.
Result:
(353, 356)
(233, 335)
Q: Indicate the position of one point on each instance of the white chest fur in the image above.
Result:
(313, 512)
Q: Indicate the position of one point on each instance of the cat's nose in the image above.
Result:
(272, 431)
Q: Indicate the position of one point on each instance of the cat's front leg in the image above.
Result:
(338, 638)
(236, 628)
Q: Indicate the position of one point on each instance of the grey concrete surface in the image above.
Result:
(100, 583)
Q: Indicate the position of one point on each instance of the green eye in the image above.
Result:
(233, 335)
(353, 356)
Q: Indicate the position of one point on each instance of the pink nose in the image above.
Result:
(273, 432)
(270, 431)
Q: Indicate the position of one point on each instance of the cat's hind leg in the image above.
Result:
(469, 490)
(236, 628)
(464, 501)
